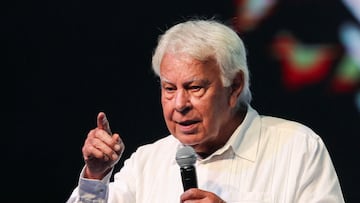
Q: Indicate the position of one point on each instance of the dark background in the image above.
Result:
(76, 58)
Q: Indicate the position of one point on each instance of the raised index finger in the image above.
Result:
(103, 123)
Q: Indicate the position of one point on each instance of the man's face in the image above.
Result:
(195, 104)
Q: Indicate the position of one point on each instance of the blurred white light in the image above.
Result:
(350, 38)
(354, 7)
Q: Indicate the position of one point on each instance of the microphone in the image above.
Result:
(186, 158)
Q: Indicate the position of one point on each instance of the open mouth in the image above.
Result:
(187, 122)
(188, 126)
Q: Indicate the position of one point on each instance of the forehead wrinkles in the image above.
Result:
(175, 66)
(181, 67)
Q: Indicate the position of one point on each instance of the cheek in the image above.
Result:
(167, 110)
(213, 112)
(168, 120)
(210, 106)
(206, 112)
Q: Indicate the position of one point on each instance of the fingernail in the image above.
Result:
(104, 120)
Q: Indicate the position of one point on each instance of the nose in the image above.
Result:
(182, 102)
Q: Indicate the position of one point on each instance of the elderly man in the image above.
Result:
(241, 156)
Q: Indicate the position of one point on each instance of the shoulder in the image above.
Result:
(166, 147)
(279, 127)
(288, 133)
(166, 142)
(288, 127)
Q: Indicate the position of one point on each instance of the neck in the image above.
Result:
(226, 133)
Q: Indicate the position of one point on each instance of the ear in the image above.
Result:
(237, 86)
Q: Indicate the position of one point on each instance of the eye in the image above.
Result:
(168, 88)
(195, 88)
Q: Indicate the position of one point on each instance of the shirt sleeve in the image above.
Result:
(319, 182)
(90, 191)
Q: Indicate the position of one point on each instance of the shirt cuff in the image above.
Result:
(91, 190)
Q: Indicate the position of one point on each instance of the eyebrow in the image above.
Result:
(187, 82)
(202, 81)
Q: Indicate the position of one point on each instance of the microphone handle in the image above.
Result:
(188, 176)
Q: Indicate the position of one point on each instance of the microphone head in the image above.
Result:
(185, 156)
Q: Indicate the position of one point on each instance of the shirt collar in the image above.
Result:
(245, 139)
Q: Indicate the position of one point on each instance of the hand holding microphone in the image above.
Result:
(186, 158)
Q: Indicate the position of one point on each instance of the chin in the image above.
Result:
(191, 140)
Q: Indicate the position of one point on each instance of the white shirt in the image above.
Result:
(267, 159)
